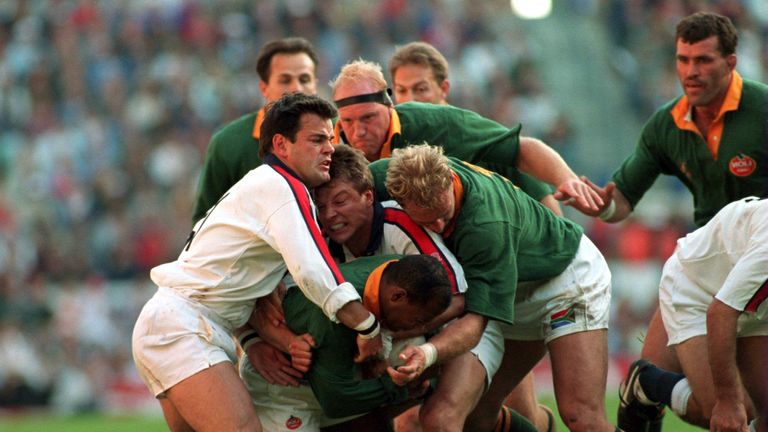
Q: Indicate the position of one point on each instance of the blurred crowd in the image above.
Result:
(106, 108)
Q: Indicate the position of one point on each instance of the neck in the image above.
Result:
(358, 244)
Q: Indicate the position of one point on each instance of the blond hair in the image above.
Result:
(418, 174)
(358, 71)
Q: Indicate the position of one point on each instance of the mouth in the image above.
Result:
(337, 227)
(325, 165)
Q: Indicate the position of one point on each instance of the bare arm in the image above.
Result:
(729, 412)
(542, 162)
(459, 337)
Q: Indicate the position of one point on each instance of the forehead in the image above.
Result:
(411, 73)
(313, 123)
(361, 109)
(285, 62)
(708, 46)
(335, 187)
(348, 88)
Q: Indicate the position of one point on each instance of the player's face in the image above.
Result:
(399, 314)
(703, 72)
(289, 73)
(310, 155)
(365, 124)
(437, 218)
(345, 214)
(413, 82)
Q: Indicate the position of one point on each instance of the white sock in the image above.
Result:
(681, 392)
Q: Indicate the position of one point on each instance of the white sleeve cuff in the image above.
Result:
(338, 297)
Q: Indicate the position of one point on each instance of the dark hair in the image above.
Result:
(283, 117)
(701, 25)
(291, 45)
(420, 53)
(423, 277)
(350, 165)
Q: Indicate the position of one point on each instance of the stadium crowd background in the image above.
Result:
(106, 108)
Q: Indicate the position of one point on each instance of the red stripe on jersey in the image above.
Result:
(758, 298)
(302, 197)
(421, 239)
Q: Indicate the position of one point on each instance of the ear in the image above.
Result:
(368, 196)
(445, 86)
(263, 88)
(398, 295)
(280, 146)
(731, 61)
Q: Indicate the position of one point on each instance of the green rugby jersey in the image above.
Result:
(334, 376)
(739, 170)
(232, 152)
(500, 236)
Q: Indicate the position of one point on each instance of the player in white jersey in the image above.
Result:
(263, 226)
(713, 304)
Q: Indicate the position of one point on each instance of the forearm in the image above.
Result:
(459, 337)
(721, 340)
(542, 162)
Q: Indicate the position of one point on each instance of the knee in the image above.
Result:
(582, 419)
(440, 416)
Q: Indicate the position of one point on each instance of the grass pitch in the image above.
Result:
(104, 423)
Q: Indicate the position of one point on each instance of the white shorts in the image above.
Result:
(175, 338)
(684, 307)
(576, 300)
(490, 350)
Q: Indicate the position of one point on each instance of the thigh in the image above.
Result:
(214, 399)
(579, 371)
(656, 347)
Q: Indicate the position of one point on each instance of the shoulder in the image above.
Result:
(239, 129)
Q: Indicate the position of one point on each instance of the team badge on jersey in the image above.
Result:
(562, 318)
(293, 423)
(742, 165)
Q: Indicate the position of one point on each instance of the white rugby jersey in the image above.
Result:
(728, 257)
(394, 232)
(264, 225)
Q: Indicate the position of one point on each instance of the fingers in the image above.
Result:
(367, 348)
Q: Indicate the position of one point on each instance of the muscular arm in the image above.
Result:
(729, 410)
(542, 162)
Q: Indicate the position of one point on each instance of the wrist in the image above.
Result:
(430, 354)
(248, 338)
(369, 328)
(609, 211)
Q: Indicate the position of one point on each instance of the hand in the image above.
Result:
(271, 306)
(728, 416)
(583, 195)
(415, 363)
(272, 364)
(300, 349)
(367, 348)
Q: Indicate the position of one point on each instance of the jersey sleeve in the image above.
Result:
(640, 170)
(294, 233)
(489, 261)
(746, 287)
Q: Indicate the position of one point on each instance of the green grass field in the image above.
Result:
(101, 423)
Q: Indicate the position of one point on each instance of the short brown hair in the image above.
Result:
(283, 117)
(701, 25)
(420, 53)
(291, 45)
(418, 174)
(350, 165)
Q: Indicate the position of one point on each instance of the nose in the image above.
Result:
(438, 225)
